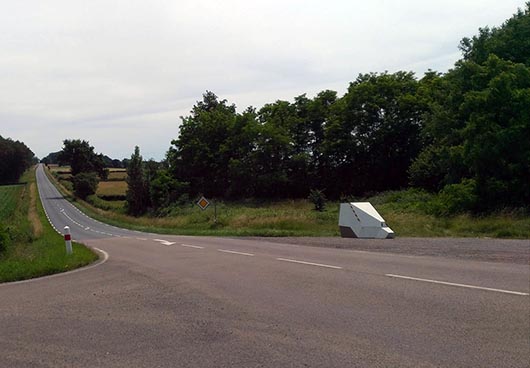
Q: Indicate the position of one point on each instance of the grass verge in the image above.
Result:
(33, 249)
(404, 211)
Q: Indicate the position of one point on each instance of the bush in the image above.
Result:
(318, 198)
(455, 198)
(4, 239)
(85, 184)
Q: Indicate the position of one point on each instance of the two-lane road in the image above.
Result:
(171, 301)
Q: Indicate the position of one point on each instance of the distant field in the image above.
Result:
(114, 186)
(117, 174)
(9, 195)
(111, 188)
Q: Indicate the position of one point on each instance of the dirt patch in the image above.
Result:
(33, 217)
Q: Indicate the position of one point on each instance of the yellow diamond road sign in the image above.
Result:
(203, 203)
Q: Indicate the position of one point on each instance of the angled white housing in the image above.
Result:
(361, 220)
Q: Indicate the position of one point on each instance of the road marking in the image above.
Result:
(234, 252)
(191, 246)
(164, 242)
(309, 263)
(141, 239)
(458, 285)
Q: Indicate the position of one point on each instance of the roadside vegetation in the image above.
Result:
(412, 212)
(29, 247)
(444, 155)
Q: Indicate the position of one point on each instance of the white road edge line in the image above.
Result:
(309, 263)
(191, 246)
(234, 252)
(458, 285)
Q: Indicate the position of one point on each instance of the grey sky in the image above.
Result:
(121, 73)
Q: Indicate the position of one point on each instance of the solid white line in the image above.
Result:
(309, 263)
(191, 246)
(234, 252)
(458, 285)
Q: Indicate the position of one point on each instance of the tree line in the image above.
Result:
(463, 134)
(15, 159)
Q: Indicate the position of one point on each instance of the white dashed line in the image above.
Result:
(234, 252)
(309, 263)
(458, 285)
(191, 246)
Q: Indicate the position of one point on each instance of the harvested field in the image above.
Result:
(112, 188)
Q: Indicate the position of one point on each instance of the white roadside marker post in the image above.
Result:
(68, 240)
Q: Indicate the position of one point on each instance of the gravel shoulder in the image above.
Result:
(477, 249)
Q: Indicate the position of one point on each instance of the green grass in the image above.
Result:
(29, 254)
(9, 195)
(406, 212)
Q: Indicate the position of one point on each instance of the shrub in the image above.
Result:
(4, 239)
(318, 198)
(85, 184)
(455, 198)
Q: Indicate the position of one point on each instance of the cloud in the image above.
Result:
(121, 73)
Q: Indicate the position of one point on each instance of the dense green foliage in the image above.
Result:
(15, 158)
(137, 196)
(463, 134)
(85, 184)
(85, 166)
(478, 123)
(80, 155)
(363, 142)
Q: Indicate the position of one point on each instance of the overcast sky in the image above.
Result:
(121, 73)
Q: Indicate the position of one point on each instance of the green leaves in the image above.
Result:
(85, 184)
(137, 195)
(15, 158)
(80, 155)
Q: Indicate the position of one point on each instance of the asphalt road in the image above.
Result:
(174, 301)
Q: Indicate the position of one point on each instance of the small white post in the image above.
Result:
(68, 240)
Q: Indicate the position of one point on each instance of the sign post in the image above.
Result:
(68, 240)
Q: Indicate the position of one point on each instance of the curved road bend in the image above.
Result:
(174, 301)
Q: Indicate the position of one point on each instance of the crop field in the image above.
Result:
(9, 195)
(117, 174)
(111, 188)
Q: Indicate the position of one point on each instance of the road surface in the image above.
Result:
(175, 301)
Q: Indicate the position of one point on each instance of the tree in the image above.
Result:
(374, 134)
(137, 195)
(85, 184)
(199, 155)
(510, 42)
(478, 121)
(15, 159)
(165, 190)
(81, 157)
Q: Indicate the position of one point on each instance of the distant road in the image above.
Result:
(177, 301)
